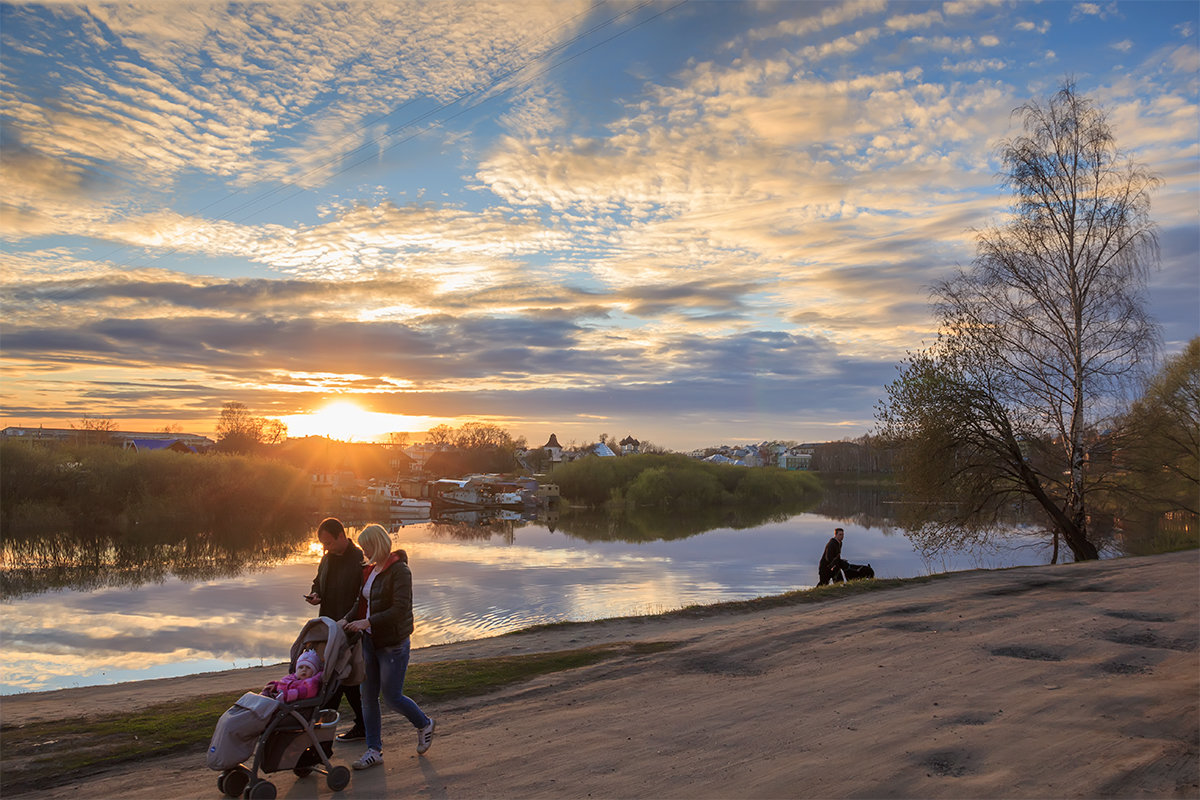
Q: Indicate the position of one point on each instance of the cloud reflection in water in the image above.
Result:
(464, 588)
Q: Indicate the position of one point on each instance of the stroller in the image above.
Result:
(296, 736)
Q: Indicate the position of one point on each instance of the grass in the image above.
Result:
(816, 594)
(42, 754)
(448, 680)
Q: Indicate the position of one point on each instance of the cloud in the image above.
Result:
(183, 92)
(1184, 60)
(908, 22)
(962, 44)
(958, 8)
(978, 65)
(829, 16)
(1037, 27)
(267, 203)
(1101, 10)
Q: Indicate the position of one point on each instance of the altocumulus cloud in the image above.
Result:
(718, 218)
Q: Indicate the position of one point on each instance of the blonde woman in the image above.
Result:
(384, 615)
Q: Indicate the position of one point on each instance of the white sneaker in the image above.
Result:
(371, 758)
(425, 737)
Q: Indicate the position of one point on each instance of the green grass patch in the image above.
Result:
(816, 594)
(447, 680)
(38, 755)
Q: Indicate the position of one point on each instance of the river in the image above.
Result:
(88, 613)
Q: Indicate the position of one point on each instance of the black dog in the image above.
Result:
(855, 572)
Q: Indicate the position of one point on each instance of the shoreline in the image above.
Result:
(1077, 680)
(567, 635)
(536, 638)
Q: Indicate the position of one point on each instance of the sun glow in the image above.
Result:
(346, 421)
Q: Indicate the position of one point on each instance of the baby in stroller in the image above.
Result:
(289, 725)
(302, 684)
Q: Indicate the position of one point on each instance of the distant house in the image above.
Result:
(399, 461)
(630, 446)
(795, 460)
(420, 454)
(144, 440)
(146, 445)
(553, 449)
(603, 450)
(599, 449)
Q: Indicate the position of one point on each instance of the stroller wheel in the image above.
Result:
(339, 778)
(262, 790)
(233, 781)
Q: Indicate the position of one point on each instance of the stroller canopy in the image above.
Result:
(329, 640)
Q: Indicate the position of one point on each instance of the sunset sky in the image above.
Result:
(692, 222)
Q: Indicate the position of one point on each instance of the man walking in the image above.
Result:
(336, 590)
(831, 564)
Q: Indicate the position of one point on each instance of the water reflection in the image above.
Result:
(29, 565)
(866, 505)
(80, 611)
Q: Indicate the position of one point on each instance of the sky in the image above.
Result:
(691, 222)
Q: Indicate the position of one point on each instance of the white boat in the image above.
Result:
(475, 492)
(386, 499)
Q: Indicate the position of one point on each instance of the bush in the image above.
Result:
(678, 482)
(158, 495)
(689, 487)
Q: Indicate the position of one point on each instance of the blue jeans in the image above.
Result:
(385, 675)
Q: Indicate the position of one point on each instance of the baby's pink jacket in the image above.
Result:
(290, 689)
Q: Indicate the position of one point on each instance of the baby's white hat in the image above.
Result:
(311, 658)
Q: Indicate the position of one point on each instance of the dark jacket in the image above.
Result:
(391, 602)
(339, 581)
(831, 559)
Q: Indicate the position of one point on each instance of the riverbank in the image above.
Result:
(1079, 680)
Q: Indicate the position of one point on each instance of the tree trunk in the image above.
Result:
(1081, 548)
(1071, 528)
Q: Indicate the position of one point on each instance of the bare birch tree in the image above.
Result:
(1038, 339)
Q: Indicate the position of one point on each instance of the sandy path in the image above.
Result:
(1071, 681)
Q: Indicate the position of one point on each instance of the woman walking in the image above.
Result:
(384, 615)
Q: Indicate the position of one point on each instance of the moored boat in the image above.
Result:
(477, 491)
(386, 499)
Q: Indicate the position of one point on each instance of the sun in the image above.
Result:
(346, 421)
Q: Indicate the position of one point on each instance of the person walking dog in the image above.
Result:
(831, 564)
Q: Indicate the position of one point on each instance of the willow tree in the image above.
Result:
(1038, 341)
(1160, 437)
